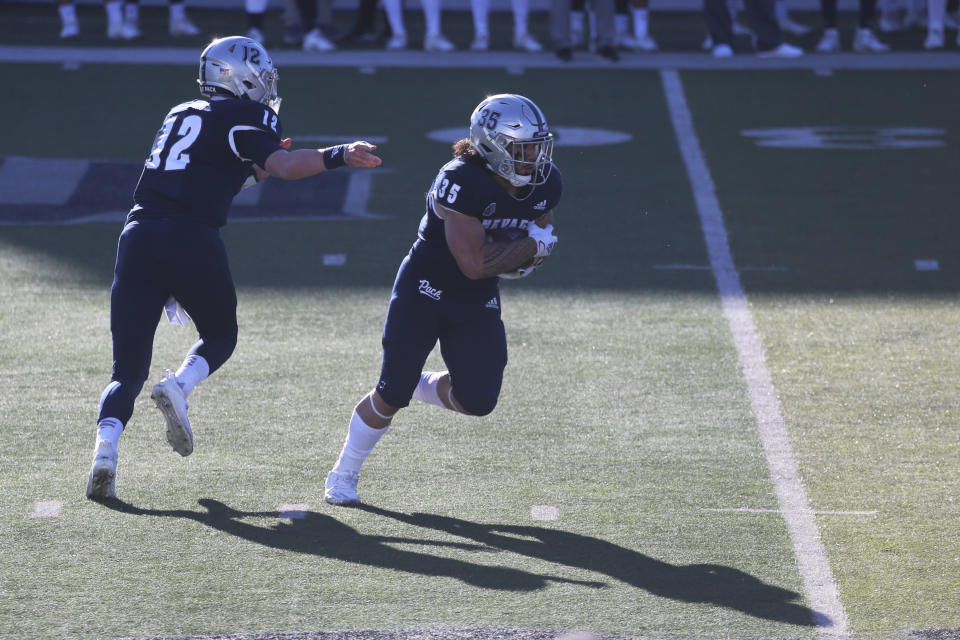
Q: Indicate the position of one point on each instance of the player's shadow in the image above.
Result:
(322, 535)
(702, 583)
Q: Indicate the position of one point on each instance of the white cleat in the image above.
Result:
(315, 41)
(397, 42)
(341, 489)
(169, 398)
(255, 34)
(70, 29)
(934, 40)
(830, 42)
(480, 43)
(526, 42)
(101, 484)
(865, 42)
(438, 44)
(722, 51)
(183, 27)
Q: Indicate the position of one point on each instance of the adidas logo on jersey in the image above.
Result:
(429, 291)
(493, 303)
(540, 206)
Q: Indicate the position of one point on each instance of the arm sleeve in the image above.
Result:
(253, 144)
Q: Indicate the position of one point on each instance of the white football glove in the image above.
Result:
(546, 241)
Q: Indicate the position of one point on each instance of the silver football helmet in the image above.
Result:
(511, 134)
(242, 67)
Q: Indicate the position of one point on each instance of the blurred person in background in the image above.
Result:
(567, 28)
(123, 19)
(433, 41)
(636, 12)
(522, 40)
(864, 40)
(767, 36)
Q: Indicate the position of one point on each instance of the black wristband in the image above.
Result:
(334, 157)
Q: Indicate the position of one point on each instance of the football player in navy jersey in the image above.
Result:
(489, 215)
(170, 253)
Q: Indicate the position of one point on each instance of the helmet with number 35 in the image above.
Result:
(241, 67)
(511, 134)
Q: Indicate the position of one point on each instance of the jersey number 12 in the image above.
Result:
(177, 158)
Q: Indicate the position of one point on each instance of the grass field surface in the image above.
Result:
(622, 486)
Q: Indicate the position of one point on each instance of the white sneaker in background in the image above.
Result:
(646, 43)
(341, 489)
(865, 42)
(70, 29)
(829, 42)
(436, 43)
(130, 30)
(722, 51)
(115, 30)
(526, 42)
(480, 43)
(169, 398)
(315, 41)
(784, 50)
(255, 34)
(101, 483)
(934, 40)
(397, 42)
(183, 27)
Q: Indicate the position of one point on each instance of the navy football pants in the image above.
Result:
(157, 259)
(473, 345)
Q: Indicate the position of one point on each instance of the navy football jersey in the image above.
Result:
(472, 190)
(201, 157)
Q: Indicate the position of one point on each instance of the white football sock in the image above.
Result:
(936, 10)
(641, 20)
(521, 9)
(395, 17)
(361, 438)
(114, 12)
(131, 12)
(426, 390)
(177, 11)
(431, 15)
(109, 429)
(481, 17)
(192, 372)
(68, 13)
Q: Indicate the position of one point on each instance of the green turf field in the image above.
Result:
(625, 411)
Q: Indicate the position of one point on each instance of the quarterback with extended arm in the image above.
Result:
(170, 253)
(489, 215)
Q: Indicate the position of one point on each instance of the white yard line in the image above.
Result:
(819, 587)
